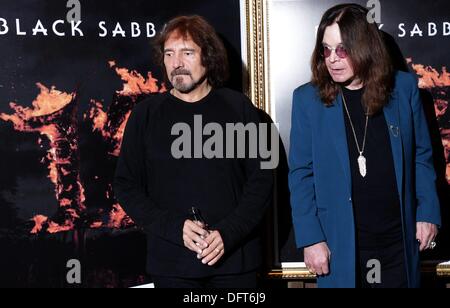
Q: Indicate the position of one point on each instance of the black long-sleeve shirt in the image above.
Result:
(157, 190)
(375, 197)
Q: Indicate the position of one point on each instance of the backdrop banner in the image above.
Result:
(71, 73)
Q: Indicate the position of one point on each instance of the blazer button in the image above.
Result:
(350, 200)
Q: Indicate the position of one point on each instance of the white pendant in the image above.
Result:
(362, 165)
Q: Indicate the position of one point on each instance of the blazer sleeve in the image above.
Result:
(308, 230)
(428, 209)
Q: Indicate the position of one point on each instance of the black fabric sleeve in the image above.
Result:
(130, 185)
(256, 197)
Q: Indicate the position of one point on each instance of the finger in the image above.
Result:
(418, 232)
(191, 237)
(325, 269)
(317, 268)
(194, 227)
(195, 233)
(196, 239)
(216, 244)
(217, 258)
(212, 235)
(423, 244)
(311, 269)
(199, 223)
(212, 251)
(427, 236)
(211, 256)
(420, 238)
(434, 232)
(192, 246)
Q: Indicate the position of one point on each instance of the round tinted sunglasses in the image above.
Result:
(340, 51)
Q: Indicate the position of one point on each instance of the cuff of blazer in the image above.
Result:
(308, 231)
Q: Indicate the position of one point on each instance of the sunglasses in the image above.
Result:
(340, 51)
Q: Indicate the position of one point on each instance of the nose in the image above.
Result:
(333, 57)
(177, 61)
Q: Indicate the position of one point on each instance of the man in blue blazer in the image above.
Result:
(362, 181)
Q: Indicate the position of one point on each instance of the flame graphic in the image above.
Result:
(439, 85)
(118, 218)
(111, 122)
(430, 77)
(135, 84)
(53, 114)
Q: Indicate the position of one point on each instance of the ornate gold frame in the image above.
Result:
(255, 52)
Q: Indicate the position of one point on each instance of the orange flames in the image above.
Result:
(134, 85)
(430, 78)
(53, 115)
(45, 117)
(99, 118)
(53, 227)
(47, 103)
(440, 107)
(446, 143)
(118, 217)
(39, 220)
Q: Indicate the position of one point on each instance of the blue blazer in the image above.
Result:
(320, 178)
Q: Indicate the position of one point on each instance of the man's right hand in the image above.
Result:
(317, 258)
(194, 235)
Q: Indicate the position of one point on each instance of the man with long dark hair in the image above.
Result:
(157, 186)
(362, 180)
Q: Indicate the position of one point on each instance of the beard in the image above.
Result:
(185, 87)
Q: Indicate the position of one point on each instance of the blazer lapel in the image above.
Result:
(338, 135)
(392, 115)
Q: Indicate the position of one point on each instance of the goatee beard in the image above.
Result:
(191, 87)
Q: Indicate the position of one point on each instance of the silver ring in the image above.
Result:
(432, 245)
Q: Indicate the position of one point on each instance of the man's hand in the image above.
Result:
(194, 236)
(215, 249)
(426, 233)
(317, 258)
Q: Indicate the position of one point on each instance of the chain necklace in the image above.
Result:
(362, 161)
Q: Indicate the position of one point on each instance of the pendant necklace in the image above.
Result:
(362, 161)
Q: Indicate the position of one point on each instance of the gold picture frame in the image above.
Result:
(255, 52)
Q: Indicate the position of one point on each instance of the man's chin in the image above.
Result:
(185, 89)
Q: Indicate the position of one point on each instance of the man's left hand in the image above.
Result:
(425, 234)
(215, 249)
